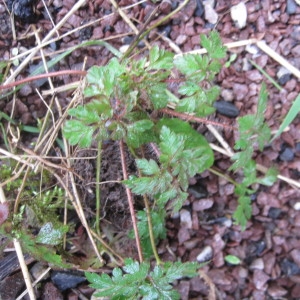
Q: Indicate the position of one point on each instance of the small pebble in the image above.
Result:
(252, 49)
(210, 14)
(274, 212)
(183, 235)
(257, 264)
(191, 244)
(226, 109)
(289, 268)
(200, 9)
(127, 40)
(276, 291)
(38, 269)
(166, 6)
(296, 51)
(291, 7)
(284, 79)
(297, 206)
(227, 95)
(166, 30)
(240, 91)
(185, 219)
(287, 154)
(181, 39)
(202, 204)
(283, 75)
(205, 255)
(123, 48)
(239, 15)
(256, 248)
(254, 75)
(260, 278)
(295, 255)
(24, 9)
(65, 280)
(197, 191)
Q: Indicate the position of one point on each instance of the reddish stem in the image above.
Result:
(130, 202)
(46, 75)
(187, 117)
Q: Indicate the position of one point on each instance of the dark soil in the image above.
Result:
(269, 248)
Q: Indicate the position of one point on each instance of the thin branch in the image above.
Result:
(150, 227)
(130, 202)
(187, 117)
(98, 178)
(37, 77)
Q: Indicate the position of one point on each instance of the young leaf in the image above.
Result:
(78, 133)
(270, 177)
(49, 235)
(120, 285)
(160, 59)
(232, 259)
(139, 133)
(148, 167)
(191, 64)
(41, 252)
(213, 45)
(243, 211)
(84, 114)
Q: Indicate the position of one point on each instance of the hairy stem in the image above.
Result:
(46, 75)
(98, 177)
(130, 202)
(188, 117)
(150, 227)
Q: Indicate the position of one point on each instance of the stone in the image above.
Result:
(296, 51)
(227, 94)
(287, 154)
(276, 292)
(240, 91)
(166, 6)
(296, 206)
(200, 9)
(257, 264)
(227, 109)
(203, 204)
(185, 219)
(274, 212)
(239, 15)
(66, 279)
(184, 289)
(254, 75)
(289, 268)
(283, 75)
(210, 14)
(260, 278)
(291, 7)
(205, 255)
(181, 39)
(295, 254)
(183, 235)
(197, 191)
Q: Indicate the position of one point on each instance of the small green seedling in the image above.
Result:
(232, 259)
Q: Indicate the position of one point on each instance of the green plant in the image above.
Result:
(126, 100)
(254, 132)
(38, 209)
(136, 280)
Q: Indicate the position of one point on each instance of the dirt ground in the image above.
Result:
(269, 248)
